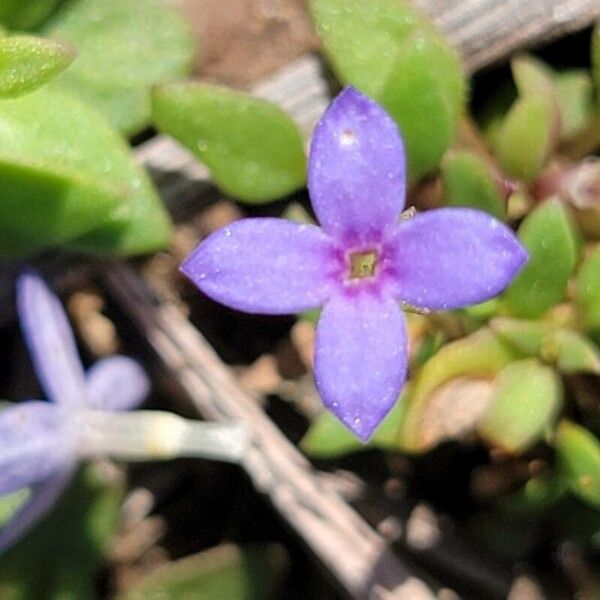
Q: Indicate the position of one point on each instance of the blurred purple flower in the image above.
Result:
(41, 442)
(362, 262)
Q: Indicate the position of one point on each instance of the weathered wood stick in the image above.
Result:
(487, 31)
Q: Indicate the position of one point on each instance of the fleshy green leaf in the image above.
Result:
(524, 405)
(548, 235)
(579, 458)
(574, 352)
(468, 181)
(537, 495)
(387, 49)
(64, 173)
(125, 47)
(587, 297)
(525, 137)
(477, 358)
(525, 335)
(528, 132)
(575, 92)
(252, 148)
(327, 437)
(66, 549)
(569, 350)
(22, 15)
(363, 39)
(532, 76)
(250, 572)
(10, 503)
(570, 90)
(27, 62)
(426, 69)
(297, 213)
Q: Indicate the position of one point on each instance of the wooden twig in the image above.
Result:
(356, 555)
(487, 31)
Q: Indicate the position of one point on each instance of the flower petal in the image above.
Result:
(452, 257)
(360, 359)
(357, 169)
(50, 341)
(270, 266)
(43, 497)
(36, 441)
(117, 383)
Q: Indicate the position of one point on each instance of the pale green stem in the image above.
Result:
(157, 435)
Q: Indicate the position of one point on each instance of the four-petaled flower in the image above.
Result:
(361, 264)
(42, 442)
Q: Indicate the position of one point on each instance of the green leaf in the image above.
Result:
(574, 352)
(549, 237)
(579, 459)
(524, 335)
(524, 405)
(390, 51)
(66, 549)
(468, 181)
(569, 350)
(294, 211)
(528, 132)
(11, 503)
(126, 47)
(475, 358)
(587, 298)
(537, 495)
(525, 137)
(27, 62)
(327, 437)
(427, 69)
(575, 94)
(532, 76)
(64, 173)
(251, 572)
(363, 39)
(252, 148)
(570, 90)
(21, 15)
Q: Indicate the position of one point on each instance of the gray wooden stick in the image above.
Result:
(486, 31)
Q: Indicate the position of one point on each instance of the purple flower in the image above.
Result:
(361, 264)
(41, 442)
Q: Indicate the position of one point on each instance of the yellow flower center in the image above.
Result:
(363, 264)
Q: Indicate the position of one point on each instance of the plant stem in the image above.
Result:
(158, 435)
